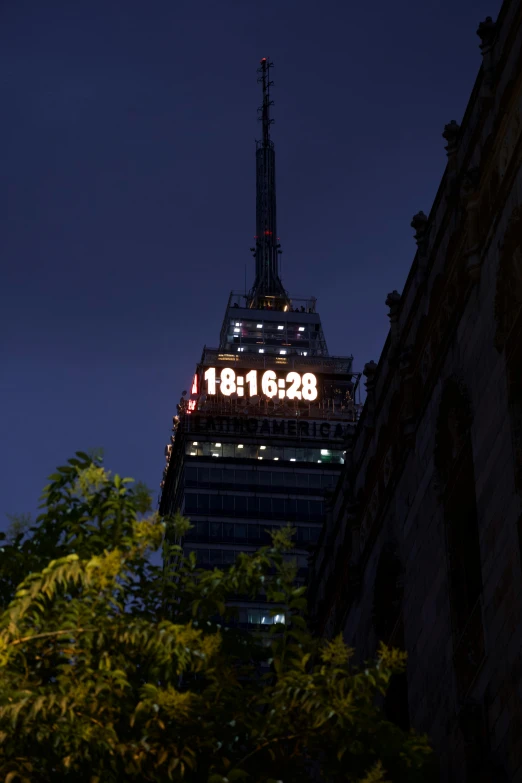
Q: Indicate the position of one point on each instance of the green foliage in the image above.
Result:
(113, 669)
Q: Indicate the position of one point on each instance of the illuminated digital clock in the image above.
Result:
(293, 386)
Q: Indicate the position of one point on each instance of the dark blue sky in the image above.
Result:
(127, 199)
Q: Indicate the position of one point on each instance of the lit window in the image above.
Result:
(292, 459)
(237, 330)
(276, 458)
(280, 327)
(192, 453)
(262, 448)
(238, 323)
(282, 352)
(324, 451)
(219, 444)
(260, 457)
(215, 455)
(240, 445)
(318, 460)
(261, 350)
(195, 443)
(305, 353)
(301, 328)
(279, 618)
(260, 326)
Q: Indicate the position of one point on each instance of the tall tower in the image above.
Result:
(259, 441)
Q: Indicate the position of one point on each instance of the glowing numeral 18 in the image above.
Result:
(228, 381)
(251, 379)
(210, 377)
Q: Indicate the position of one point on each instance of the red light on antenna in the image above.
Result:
(263, 60)
(195, 385)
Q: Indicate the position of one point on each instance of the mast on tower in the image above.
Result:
(268, 288)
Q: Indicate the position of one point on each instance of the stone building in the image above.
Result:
(422, 544)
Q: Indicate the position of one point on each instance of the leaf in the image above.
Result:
(237, 774)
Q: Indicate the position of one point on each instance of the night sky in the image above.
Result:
(128, 195)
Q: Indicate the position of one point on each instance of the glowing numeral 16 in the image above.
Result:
(269, 383)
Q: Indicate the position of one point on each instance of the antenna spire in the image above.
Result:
(268, 288)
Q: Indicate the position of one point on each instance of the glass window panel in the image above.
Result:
(203, 475)
(278, 479)
(290, 454)
(303, 534)
(314, 533)
(278, 506)
(215, 530)
(315, 480)
(301, 479)
(203, 502)
(228, 449)
(290, 507)
(215, 556)
(191, 474)
(253, 532)
(191, 502)
(240, 476)
(241, 503)
(265, 505)
(240, 532)
(216, 476)
(316, 508)
(254, 616)
(264, 478)
(215, 502)
(229, 556)
(228, 503)
(253, 505)
(289, 479)
(302, 510)
(250, 452)
(228, 531)
(301, 455)
(202, 530)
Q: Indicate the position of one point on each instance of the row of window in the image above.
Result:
(268, 453)
(219, 557)
(241, 532)
(269, 507)
(264, 478)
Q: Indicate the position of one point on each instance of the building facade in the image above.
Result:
(422, 543)
(259, 442)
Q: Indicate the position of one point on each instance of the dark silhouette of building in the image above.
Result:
(422, 543)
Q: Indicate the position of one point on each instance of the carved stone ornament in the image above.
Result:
(419, 224)
(451, 134)
(486, 32)
(508, 296)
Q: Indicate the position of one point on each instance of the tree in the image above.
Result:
(114, 670)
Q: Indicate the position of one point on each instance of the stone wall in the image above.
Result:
(450, 325)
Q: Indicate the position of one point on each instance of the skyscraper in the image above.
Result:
(259, 441)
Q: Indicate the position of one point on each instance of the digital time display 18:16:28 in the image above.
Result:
(293, 386)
